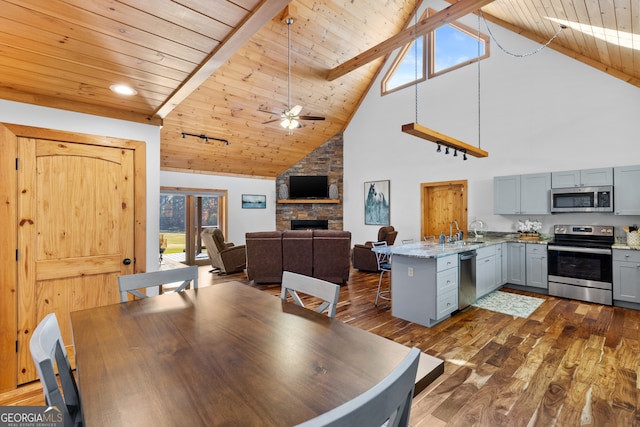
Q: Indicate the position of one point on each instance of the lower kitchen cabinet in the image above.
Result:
(516, 260)
(485, 270)
(536, 265)
(424, 290)
(527, 264)
(626, 275)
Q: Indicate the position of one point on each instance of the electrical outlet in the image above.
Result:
(410, 271)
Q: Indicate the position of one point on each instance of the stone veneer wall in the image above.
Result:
(324, 160)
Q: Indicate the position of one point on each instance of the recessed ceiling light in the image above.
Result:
(123, 89)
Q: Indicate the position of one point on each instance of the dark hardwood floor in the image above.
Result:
(569, 364)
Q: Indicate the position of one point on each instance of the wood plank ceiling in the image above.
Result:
(209, 66)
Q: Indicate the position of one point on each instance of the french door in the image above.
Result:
(183, 215)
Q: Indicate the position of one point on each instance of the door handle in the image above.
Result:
(126, 261)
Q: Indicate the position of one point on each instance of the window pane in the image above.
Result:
(405, 72)
(172, 222)
(210, 211)
(453, 47)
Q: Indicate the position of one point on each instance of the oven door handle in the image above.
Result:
(582, 250)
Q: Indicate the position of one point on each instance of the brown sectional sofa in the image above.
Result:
(318, 253)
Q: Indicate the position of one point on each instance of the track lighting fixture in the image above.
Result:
(205, 137)
(455, 150)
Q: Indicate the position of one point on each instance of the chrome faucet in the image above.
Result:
(451, 236)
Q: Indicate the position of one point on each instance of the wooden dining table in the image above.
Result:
(226, 354)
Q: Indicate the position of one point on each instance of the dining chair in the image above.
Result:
(383, 257)
(406, 241)
(133, 282)
(292, 283)
(47, 348)
(387, 403)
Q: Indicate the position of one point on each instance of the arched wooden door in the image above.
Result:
(77, 229)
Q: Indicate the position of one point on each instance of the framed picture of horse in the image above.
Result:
(376, 202)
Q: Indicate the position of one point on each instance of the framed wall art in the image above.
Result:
(254, 201)
(376, 202)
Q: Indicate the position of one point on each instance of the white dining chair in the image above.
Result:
(383, 257)
(406, 241)
(132, 283)
(387, 403)
(292, 283)
(47, 348)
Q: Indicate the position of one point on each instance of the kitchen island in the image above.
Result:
(425, 278)
(424, 281)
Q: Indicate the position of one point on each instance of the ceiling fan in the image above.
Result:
(290, 118)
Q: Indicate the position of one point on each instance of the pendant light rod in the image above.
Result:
(289, 21)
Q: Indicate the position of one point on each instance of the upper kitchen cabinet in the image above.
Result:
(582, 178)
(626, 193)
(522, 194)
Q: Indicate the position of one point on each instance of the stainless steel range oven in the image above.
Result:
(579, 262)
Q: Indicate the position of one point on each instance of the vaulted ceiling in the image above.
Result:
(219, 68)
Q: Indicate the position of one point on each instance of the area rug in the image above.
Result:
(508, 303)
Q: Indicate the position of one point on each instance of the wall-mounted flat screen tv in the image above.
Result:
(308, 187)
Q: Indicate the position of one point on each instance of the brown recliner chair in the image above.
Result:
(224, 256)
(363, 258)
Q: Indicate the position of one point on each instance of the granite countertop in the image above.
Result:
(437, 250)
(624, 246)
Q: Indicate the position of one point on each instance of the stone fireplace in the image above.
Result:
(324, 160)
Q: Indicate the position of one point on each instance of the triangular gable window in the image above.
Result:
(410, 66)
(453, 46)
(450, 47)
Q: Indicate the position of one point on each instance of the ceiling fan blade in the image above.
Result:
(271, 121)
(310, 118)
(295, 110)
(269, 112)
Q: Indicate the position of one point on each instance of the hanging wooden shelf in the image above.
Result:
(420, 131)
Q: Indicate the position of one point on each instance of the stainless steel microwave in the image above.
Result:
(582, 199)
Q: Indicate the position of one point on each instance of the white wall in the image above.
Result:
(50, 118)
(240, 220)
(545, 112)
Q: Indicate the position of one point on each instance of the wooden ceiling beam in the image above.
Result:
(443, 17)
(262, 14)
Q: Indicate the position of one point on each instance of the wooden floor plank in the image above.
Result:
(570, 363)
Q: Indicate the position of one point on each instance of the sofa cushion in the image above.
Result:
(264, 256)
(297, 251)
(331, 250)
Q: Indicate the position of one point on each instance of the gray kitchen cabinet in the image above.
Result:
(626, 194)
(485, 270)
(516, 263)
(626, 275)
(536, 265)
(424, 290)
(501, 265)
(583, 177)
(522, 194)
(447, 287)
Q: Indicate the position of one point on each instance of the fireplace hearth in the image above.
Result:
(309, 224)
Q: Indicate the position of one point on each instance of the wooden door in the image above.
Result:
(442, 203)
(76, 205)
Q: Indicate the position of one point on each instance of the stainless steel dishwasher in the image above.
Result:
(467, 279)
